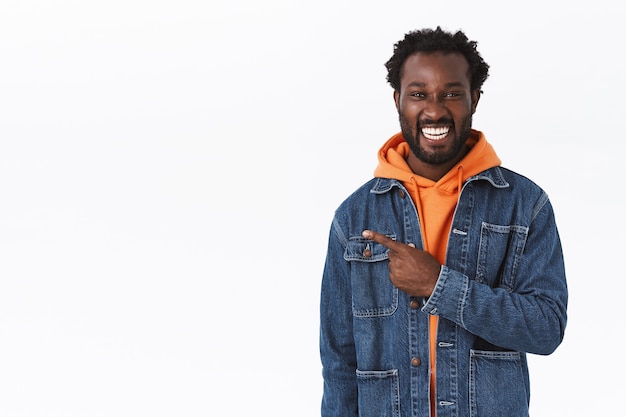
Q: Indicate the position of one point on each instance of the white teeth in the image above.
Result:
(435, 133)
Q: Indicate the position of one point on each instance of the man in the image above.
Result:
(444, 270)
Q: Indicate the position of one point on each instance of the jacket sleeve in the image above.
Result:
(337, 348)
(530, 317)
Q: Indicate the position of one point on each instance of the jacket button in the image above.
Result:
(412, 245)
(416, 361)
(415, 304)
(367, 253)
(402, 194)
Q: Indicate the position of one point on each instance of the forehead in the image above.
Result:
(435, 68)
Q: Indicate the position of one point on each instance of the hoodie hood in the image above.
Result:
(392, 163)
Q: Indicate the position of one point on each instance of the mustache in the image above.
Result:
(430, 122)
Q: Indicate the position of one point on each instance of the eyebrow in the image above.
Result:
(447, 85)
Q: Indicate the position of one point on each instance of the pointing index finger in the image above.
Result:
(382, 239)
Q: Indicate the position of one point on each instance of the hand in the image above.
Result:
(411, 270)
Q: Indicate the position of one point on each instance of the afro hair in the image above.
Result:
(437, 40)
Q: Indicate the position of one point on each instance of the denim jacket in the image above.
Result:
(501, 294)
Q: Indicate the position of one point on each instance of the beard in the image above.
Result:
(411, 136)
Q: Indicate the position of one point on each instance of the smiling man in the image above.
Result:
(445, 269)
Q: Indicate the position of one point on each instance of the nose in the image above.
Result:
(434, 109)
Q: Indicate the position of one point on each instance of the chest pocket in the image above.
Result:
(501, 248)
(373, 294)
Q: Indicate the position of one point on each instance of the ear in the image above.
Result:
(475, 98)
(396, 99)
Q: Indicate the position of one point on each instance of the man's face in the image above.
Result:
(435, 104)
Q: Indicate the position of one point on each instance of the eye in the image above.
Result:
(417, 94)
(452, 95)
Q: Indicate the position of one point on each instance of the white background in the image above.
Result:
(169, 170)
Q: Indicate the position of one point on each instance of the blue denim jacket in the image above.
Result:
(501, 293)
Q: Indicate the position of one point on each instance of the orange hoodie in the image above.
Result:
(435, 202)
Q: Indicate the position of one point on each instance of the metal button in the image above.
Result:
(367, 252)
(416, 361)
(415, 304)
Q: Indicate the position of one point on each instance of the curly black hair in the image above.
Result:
(438, 40)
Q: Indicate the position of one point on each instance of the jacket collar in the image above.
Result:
(492, 175)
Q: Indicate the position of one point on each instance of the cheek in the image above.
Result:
(463, 111)
(410, 111)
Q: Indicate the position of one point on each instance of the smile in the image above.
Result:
(435, 133)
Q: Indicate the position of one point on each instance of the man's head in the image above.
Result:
(436, 77)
